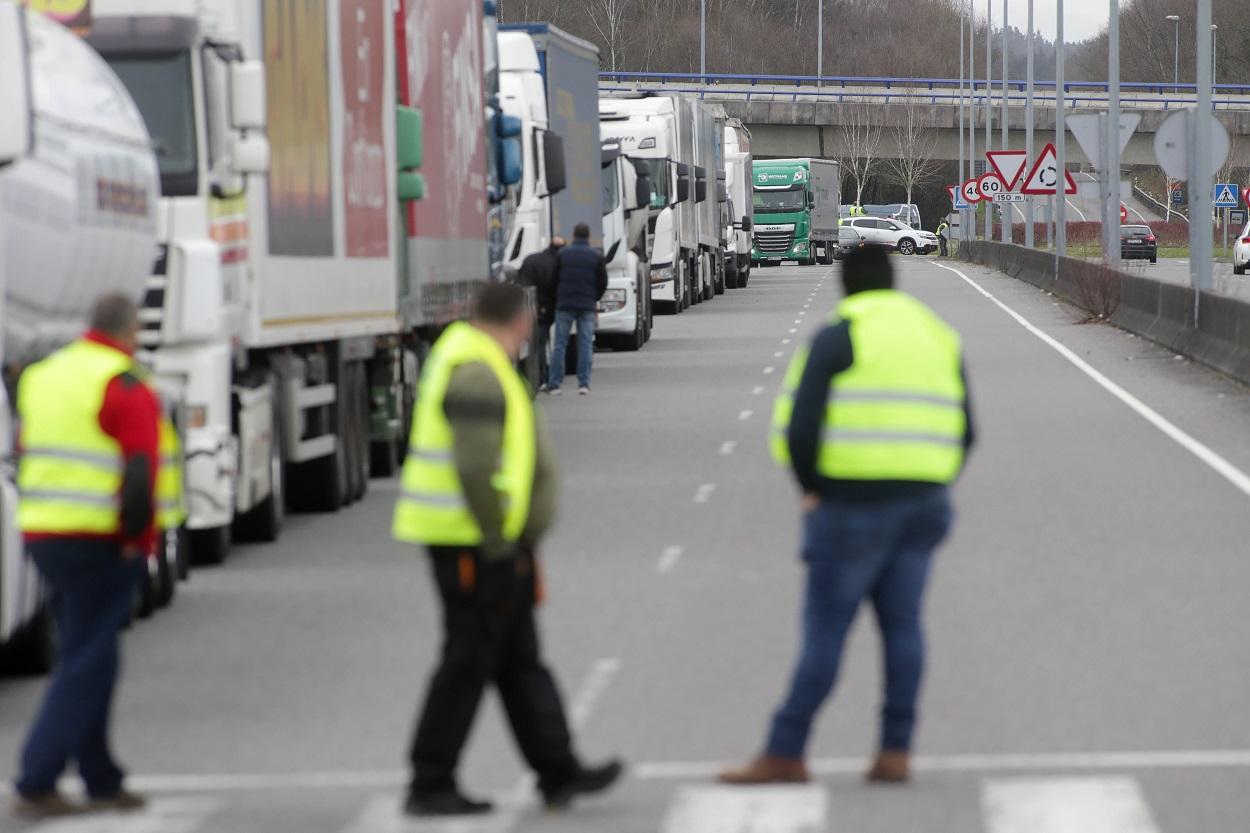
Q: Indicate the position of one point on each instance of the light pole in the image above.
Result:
(1028, 128)
(820, 41)
(1061, 143)
(702, 41)
(959, 181)
(989, 108)
(1176, 49)
(972, 111)
(1111, 145)
(1215, 31)
(1007, 214)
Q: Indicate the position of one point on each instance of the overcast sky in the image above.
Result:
(1082, 19)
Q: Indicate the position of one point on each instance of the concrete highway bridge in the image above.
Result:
(796, 116)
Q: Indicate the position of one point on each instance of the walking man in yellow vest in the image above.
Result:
(478, 491)
(874, 422)
(87, 474)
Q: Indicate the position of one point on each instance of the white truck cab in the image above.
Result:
(625, 310)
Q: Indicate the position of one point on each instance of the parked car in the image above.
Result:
(1241, 252)
(886, 232)
(849, 239)
(908, 215)
(1138, 243)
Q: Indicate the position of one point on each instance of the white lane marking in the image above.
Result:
(669, 559)
(592, 690)
(792, 332)
(985, 763)
(1225, 469)
(785, 341)
(757, 390)
(798, 809)
(166, 815)
(769, 369)
(383, 814)
(728, 447)
(778, 354)
(704, 493)
(743, 416)
(1061, 805)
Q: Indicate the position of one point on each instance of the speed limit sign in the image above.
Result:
(971, 192)
(989, 185)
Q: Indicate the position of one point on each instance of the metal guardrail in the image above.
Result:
(890, 82)
(903, 94)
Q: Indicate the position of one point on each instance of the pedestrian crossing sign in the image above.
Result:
(958, 203)
(1225, 195)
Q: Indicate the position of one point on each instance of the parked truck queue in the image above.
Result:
(303, 195)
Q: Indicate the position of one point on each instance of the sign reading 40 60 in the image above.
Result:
(75, 14)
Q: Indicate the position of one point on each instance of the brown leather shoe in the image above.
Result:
(893, 766)
(48, 805)
(122, 801)
(767, 769)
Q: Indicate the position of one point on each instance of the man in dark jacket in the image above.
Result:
(581, 279)
(539, 271)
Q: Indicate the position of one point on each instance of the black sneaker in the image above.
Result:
(448, 802)
(583, 781)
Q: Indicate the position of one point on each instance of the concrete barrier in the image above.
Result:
(1161, 312)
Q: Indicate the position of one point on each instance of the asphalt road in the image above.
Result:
(1088, 668)
(1176, 270)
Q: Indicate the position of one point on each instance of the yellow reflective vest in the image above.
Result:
(898, 412)
(70, 471)
(431, 508)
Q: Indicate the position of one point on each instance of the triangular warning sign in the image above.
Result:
(1009, 165)
(1044, 177)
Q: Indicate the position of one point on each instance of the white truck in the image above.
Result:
(646, 128)
(298, 287)
(78, 218)
(738, 179)
(625, 310)
(708, 138)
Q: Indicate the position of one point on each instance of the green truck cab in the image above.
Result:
(795, 211)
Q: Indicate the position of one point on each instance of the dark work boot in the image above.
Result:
(447, 801)
(583, 780)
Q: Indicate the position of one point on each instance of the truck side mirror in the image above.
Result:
(553, 162)
(748, 224)
(16, 128)
(700, 190)
(409, 151)
(683, 182)
(247, 95)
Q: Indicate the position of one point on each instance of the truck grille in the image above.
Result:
(774, 242)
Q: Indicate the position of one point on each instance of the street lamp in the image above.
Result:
(1176, 59)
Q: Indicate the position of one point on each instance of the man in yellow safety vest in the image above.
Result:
(874, 421)
(89, 446)
(478, 491)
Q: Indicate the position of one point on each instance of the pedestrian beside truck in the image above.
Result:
(874, 421)
(581, 279)
(478, 491)
(89, 445)
(539, 271)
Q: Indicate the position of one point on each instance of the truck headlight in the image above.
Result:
(662, 275)
(612, 301)
(800, 247)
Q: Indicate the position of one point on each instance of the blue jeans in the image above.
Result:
(855, 551)
(91, 590)
(585, 322)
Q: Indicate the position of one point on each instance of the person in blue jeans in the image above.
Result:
(581, 278)
(875, 422)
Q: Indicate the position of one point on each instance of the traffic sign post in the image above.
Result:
(1009, 198)
(1178, 196)
(971, 193)
(1237, 217)
(1043, 179)
(1009, 165)
(1224, 195)
(958, 203)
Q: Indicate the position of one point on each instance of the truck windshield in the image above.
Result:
(161, 85)
(776, 201)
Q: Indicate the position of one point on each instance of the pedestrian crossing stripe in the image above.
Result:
(164, 815)
(1225, 195)
(1061, 805)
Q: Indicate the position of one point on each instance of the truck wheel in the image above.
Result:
(358, 435)
(721, 281)
(33, 649)
(209, 546)
(166, 568)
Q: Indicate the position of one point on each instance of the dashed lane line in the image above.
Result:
(769, 370)
(757, 390)
(704, 493)
(728, 447)
(1239, 479)
(743, 416)
(669, 559)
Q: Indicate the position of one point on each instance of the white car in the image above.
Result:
(1241, 252)
(886, 232)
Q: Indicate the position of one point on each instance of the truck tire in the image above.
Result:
(209, 546)
(721, 281)
(263, 522)
(33, 649)
(357, 408)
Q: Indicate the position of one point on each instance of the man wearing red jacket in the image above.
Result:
(88, 444)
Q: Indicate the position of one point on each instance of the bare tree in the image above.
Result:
(861, 143)
(915, 139)
(614, 23)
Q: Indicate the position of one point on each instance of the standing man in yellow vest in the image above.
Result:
(478, 491)
(89, 452)
(875, 423)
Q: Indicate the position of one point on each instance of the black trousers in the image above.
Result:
(488, 643)
(942, 245)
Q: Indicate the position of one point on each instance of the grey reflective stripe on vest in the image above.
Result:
(427, 456)
(853, 436)
(169, 505)
(895, 397)
(85, 498)
(112, 462)
(440, 501)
